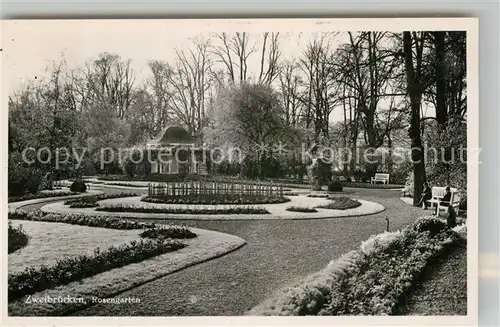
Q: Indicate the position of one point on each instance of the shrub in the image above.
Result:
(77, 268)
(341, 203)
(168, 232)
(429, 224)
(78, 186)
(301, 209)
(22, 179)
(17, 238)
(188, 211)
(334, 186)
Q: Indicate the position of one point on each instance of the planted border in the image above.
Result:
(301, 209)
(187, 211)
(77, 268)
(76, 219)
(341, 203)
(40, 195)
(371, 280)
(91, 201)
(215, 200)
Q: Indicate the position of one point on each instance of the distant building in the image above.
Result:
(174, 152)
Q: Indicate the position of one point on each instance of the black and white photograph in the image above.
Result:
(278, 167)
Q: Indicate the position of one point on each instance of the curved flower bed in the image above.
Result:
(91, 201)
(371, 280)
(341, 203)
(216, 199)
(187, 210)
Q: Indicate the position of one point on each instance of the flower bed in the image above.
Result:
(17, 238)
(371, 280)
(188, 211)
(82, 220)
(215, 199)
(40, 195)
(171, 232)
(77, 268)
(341, 203)
(91, 201)
(301, 209)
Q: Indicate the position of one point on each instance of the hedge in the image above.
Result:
(39, 195)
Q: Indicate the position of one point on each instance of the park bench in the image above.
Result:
(437, 195)
(380, 177)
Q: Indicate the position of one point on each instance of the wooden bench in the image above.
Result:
(437, 195)
(380, 177)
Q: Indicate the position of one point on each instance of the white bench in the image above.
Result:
(437, 195)
(380, 177)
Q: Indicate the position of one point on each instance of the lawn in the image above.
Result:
(51, 241)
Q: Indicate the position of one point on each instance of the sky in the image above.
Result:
(30, 48)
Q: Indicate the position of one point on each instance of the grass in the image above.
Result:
(187, 211)
(301, 209)
(72, 269)
(17, 238)
(341, 203)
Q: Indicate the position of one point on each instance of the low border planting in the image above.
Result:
(215, 200)
(17, 238)
(165, 233)
(76, 219)
(188, 211)
(91, 201)
(301, 209)
(40, 195)
(68, 270)
(371, 280)
(341, 203)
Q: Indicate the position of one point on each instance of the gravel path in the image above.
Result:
(444, 291)
(277, 253)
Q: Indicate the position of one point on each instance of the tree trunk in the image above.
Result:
(441, 108)
(415, 90)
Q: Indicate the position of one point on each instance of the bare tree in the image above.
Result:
(190, 83)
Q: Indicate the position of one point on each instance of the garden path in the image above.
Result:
(277, 253)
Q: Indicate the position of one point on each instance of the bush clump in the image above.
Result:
(78, 186)
(73, 269)
(335, 186)
(17, 238)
